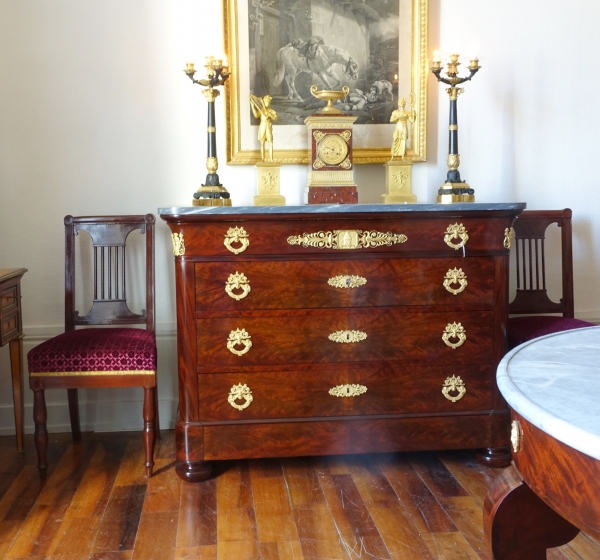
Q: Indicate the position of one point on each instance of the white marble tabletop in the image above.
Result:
(554, 383)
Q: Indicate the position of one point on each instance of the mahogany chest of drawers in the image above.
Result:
(339, 329)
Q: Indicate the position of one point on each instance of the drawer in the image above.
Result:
(9, 327)
(384, 389)
(236, 239)
(358, 335)
(246, 285)
(9, 299)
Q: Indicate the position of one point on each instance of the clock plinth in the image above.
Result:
(331, 176)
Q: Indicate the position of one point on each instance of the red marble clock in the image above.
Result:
(331, 176)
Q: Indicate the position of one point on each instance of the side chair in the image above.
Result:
(532, 299)
(85, 358)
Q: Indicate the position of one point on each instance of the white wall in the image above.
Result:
(96, 116)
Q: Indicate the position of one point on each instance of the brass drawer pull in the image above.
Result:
(353, 390)
(454, 330)
(237, 281)
(236, 235)
(456, 276)
(347, 337)
(238, 392)
(456, 231)
(347, 281)
(346, 239)
(516, 436)
(239, 336)
(454, 384)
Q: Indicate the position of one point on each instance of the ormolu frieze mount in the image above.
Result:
(346, 239)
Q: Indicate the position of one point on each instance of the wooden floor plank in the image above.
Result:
(358, 534)
(319, 537)
(401, 536)
(425, 510)
(76, 538)
(450, 546)
(156, 534)
(272, 504)
(197, 553)
(119, 524)
(585, 546)
(468, 518)
(302, 482)
(197, 522)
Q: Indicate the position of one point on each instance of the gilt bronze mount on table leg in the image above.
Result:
(212, 193)
(454, 189)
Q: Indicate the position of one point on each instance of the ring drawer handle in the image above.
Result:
(237, 281)
(454, 384)
(238, 392)
(352, 390)
(236, 235)
(239, 336)
(456, 276)
(456, 231)
(347, 281)
(454, 330)
(347, 337)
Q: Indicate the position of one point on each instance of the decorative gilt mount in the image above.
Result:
(347, 281)
(347, 337)
(455, 276)
(454, 384)
(237, 281)
(236, 235)
(178, 244)
(454, 330)
(509, 234)
(236, 338)
(346, 239)
(240, 392)
(516, 436)
(353, 390)
(456, 231)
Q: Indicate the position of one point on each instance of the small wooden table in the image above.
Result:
(11, 332)
(551, 490)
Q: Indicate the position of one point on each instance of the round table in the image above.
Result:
(551, 491)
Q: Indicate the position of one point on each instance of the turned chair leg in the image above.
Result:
(40, 437)
(149, 427)
(74, 414)
(157, 419)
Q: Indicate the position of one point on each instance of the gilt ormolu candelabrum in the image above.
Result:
(212, 193)
(454, 189)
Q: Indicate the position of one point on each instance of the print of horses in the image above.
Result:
(290, 63)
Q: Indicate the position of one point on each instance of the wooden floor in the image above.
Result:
(97, 504)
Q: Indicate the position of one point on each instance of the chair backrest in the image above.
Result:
(530, 231)
(109, 234)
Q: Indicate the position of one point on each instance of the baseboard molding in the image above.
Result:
(96, 416)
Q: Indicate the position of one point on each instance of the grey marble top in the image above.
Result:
(339, 208)
(553, 382)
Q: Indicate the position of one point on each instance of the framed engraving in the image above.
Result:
(377, 48)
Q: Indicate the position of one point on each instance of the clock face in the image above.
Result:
(333, 149)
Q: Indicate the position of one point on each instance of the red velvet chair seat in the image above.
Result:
(522, 329)
(115, 351)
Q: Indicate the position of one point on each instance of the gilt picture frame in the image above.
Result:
(280, 48)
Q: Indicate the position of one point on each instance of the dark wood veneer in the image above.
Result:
(290, 312)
